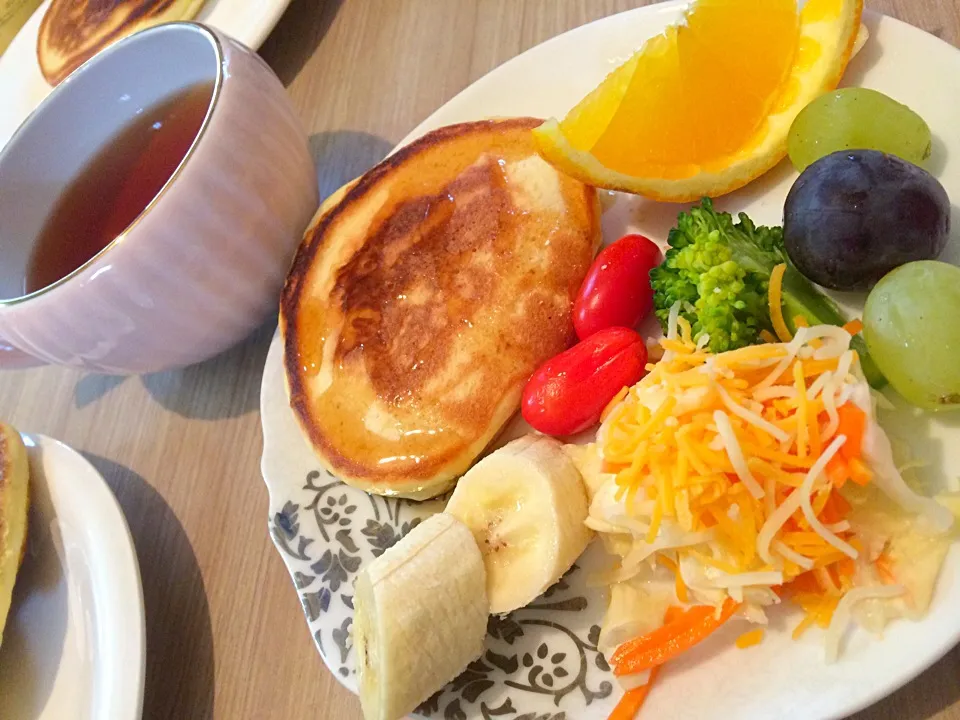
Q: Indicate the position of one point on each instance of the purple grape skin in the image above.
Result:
(855, 215)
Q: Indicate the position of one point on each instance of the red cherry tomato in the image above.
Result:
(567, 393)
(616, 291)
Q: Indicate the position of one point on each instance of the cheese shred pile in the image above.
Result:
(746, 445)
(731, 474)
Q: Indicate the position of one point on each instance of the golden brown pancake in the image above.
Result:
(420, 303)
(73, 31)
(14, 474)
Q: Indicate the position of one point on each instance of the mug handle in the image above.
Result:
(12, 358)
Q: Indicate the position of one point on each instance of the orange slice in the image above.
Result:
(705, 107)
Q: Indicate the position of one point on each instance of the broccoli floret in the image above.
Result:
(719, 271)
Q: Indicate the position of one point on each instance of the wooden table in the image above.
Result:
(181, 450)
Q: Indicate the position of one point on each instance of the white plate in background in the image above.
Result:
(74, 644)
(22, 87)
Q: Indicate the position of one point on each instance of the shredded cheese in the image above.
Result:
(803, 424)
(672, 319)
(750, 638)
(720, 471)
(841, 616)
(752, 417)
(725, 431)
(792, 555)
(776, 303)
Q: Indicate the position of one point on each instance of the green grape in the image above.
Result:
(912, 327)
(857, 119)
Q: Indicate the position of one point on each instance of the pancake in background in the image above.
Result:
(420, 303)
(73, 31)
(14, 477)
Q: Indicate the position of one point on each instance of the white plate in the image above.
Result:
(22, 87)
(74, 643)
(541, 662)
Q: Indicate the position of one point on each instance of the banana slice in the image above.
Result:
(587, 460)
(420, 617)
(14, 475)
(526, 505)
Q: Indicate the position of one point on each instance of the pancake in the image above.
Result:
(421, 301)
(14, 474)
(73, 31)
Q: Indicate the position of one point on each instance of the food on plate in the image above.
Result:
(706, 107)
(73, 31)
(419, 305)
(632, 610)
(720, 271)
(14, 501)
(420, 617)
(567, 394)
(512, 528)
(911, 326)
(13, 15)
(590, 466)
(738, 480)
(616, 291)
(525, 505)
(858, 119)
(855, 215)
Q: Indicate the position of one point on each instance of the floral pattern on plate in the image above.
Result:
(716, 679)
(539, 663)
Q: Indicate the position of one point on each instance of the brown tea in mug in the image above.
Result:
(116, 186)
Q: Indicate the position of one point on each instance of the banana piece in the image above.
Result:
(14, 478)
(587, 460)
(420, 617)
(525, 505)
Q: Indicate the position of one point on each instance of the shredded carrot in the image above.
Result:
(804, 583)
(672, 639)
(673, 613)
(838, 471)
(633, 700)
(853, 424)
(800, 321)
(854, 327)
(716, 444)
(768, 337)
(776, 303)
(750, 638)
(836, 509)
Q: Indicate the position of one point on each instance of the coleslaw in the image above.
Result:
(725, 484)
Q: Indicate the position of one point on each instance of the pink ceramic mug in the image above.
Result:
(203, 264)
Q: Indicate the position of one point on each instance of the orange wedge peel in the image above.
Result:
(666, 125)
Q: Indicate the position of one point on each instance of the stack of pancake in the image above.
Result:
(423, 297)
(73, 31)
